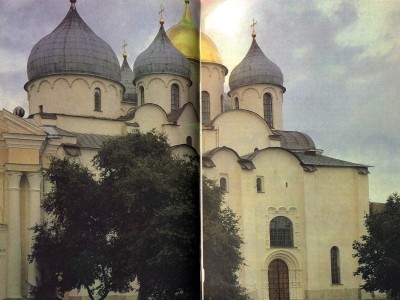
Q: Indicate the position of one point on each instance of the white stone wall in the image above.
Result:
(74, 95)
(251, 98)
(212, 81)
(157, 89)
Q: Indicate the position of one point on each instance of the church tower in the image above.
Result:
(257, 85)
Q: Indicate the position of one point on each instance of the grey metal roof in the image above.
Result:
(255, 68)
(127, 80)
(86, 140)
(326, 161)
(294, 140)
(161, 57)
(311, 159)
(73, 48)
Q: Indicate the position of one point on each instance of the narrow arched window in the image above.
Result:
(281, 232)
(335, 266)
(267, 99)
(97, 99)
(222, 104)
(189, 141)
(141, 92)
(236, 103)
(205, 107)
(222, 184)
(174, 97)
(259, 184)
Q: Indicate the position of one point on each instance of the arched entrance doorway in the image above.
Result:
(278, 280)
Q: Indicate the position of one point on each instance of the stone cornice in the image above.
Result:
(23, 141)
(22, 168)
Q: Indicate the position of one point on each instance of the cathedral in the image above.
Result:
(299, 211)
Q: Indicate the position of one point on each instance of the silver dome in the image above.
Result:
(255, 68)
(73, 48)
(127, 81)
(161, 57)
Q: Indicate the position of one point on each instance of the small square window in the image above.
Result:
(260, 184)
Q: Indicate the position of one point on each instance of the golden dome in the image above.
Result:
(185, 37)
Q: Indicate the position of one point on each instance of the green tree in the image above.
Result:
(378, 253)
(159, 193)
(221, 246)
(77, 247)
(140, 221)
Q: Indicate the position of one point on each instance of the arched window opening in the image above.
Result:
(267, 99)
(281, 232)
(260, 184)
(205, 103)
(335, 265)
(174, 97)
(141, 92)
(222, 104)
(97, 99)
(236, 103)
(222, 184)
(189, 141)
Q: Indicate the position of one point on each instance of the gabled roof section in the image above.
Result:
(12, 124)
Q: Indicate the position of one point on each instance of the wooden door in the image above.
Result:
(278, 280)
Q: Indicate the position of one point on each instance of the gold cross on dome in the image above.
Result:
(253, 25)
(162, 9)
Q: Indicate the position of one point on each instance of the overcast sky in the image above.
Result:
(340, 61)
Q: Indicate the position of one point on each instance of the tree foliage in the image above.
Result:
(221, 245)
(378, 253)
(139, 220)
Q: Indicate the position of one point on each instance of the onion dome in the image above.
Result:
(161, 57)
(127, 81)
(185, 37)
(73, 48)
(255, 68)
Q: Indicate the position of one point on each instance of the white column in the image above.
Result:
(14, 236)
(35, 182)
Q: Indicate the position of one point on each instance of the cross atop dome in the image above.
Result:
(162, 9)
(253, 25)
(124, 44)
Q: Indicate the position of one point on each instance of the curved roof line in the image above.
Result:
(241, 110)
(309, 162)
(185, 146)
(174, 116)
(252, 155)
(212, 152)
(131, 114)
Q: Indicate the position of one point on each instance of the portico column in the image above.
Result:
(14, 236)
(35, 181)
